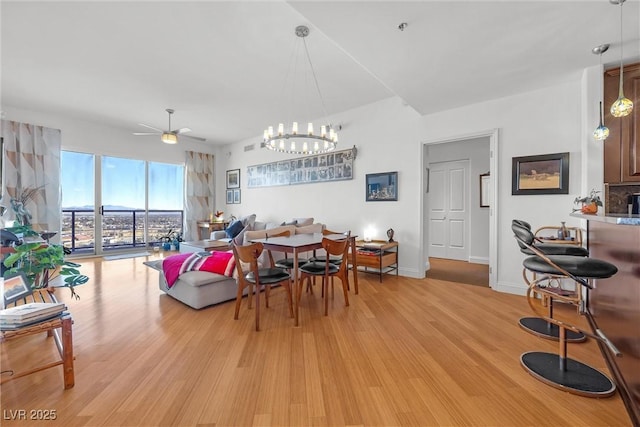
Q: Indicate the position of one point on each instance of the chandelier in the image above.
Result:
(290, 139)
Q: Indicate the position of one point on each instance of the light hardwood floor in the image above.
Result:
(406, 352)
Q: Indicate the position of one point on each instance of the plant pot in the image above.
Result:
(176, 245)
(589, 209)
(166, 246)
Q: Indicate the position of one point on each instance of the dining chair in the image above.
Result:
(254, 277)
(323, 257)
(329, 270)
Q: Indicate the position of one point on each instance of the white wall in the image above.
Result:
(390, 136)
(541, 122)
(89, 137)
(477, 152)
(386, 136)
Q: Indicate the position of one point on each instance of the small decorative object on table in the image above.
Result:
(589, 204)
(390, 234)
(563, 233)
(219, 216)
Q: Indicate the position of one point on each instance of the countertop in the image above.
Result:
(616, 219)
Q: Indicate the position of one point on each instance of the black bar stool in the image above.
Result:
(537, 325)
(558, 370)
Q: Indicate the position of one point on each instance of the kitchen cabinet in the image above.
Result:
(622, 147)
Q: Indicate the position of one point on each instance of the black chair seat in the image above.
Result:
(318, 268)
(578, 266)
(551, 249)
(268, 275)
(288, 262)
(322, 258)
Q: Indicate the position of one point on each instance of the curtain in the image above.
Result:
(32, 162)
(199, 193)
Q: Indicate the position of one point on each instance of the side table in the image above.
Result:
(206, 227)
(379, 255)
(61, 330)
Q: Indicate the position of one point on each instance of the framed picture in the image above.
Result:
(16, 287)
(236, 195)
(233, 178)
(382, 187)
(544, 174)
(229, 197)
(484, 190)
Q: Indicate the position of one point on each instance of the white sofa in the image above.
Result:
(199, 289)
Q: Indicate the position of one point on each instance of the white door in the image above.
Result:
(449, 210)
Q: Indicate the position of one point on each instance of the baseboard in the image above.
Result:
(479, 260)
(511, 288)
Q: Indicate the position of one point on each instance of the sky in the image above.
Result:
(123, 182)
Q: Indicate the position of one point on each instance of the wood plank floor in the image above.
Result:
(405, 352)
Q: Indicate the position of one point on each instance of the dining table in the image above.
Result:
(300, 243)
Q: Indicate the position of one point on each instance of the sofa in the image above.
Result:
(199, 289)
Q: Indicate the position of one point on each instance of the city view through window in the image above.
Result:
(124, 188)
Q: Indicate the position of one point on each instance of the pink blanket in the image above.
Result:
(215, 262)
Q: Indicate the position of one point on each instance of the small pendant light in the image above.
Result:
(602, 132)
(623, 106)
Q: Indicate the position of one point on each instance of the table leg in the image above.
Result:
(354, 263)
(67, 353)
(295, 285)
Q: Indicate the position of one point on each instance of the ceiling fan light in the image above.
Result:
(169, 138)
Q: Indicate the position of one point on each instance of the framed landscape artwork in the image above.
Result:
(544, 174)
(382, 187)
(16, 286)
(233, 178)
(229, 197)
(236, 196)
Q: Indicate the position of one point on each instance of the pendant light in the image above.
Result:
(623, 106)
(602, 132)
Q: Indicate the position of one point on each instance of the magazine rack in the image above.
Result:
(59, 328)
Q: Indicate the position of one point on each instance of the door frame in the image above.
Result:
(493, 135)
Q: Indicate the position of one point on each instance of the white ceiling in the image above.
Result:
(222, 65)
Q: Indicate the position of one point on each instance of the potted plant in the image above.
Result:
(42, 263)
(588, 204)
(176, 238)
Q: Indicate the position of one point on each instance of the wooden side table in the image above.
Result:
(206, 227)
(379, 255)
(60, 329)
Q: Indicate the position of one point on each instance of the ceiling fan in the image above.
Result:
(169, 136)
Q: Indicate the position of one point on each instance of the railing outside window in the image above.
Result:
(121, 229)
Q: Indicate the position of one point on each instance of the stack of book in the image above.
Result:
(29, 314)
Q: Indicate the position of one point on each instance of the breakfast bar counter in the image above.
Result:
(614, 303)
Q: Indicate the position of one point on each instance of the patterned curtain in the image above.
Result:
(200, 192)
(31, 163)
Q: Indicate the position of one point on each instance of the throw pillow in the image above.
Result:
(239, 239)
(301, 222)
(219, 262)
(234, 228)
(293, 222)
(248, 220)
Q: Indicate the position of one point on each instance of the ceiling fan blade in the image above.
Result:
(151, 127)
(197, 138)
(147, 133)
(181, 130)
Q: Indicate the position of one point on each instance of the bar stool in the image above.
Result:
(557, 370)
(537, 325)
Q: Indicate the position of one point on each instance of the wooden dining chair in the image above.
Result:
(250, 275)
(329, 270)
(323, 257)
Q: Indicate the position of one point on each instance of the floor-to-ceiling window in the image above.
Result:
(113, 203)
